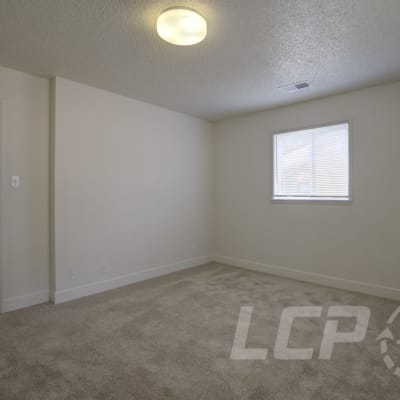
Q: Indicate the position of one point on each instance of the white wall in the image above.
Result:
(133, 190)
(135, 184)
(359, 242)
(24, 118)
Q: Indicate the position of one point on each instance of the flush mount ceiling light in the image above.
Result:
(181, 26)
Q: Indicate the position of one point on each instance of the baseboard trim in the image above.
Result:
(30, 299)
(62, 296)
(26, 300)
(320, 279)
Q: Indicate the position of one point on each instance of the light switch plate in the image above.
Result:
(15, 182)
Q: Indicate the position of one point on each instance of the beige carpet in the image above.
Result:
(171, 338)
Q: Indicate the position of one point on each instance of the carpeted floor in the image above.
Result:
(171, 338)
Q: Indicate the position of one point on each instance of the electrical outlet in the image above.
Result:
(73, 275)
(103, 269)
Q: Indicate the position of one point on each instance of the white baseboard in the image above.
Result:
(26, 300)
(30, 299)
(62, 296)
(320, 279)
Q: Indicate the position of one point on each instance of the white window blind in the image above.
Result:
(312, 164)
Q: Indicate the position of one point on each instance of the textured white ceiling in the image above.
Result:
(253, 46)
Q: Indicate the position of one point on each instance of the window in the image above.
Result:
(312, 164)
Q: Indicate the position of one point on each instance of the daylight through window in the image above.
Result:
(312, 164)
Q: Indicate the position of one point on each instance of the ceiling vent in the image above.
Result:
(294, 87)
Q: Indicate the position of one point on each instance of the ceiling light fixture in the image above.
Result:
(181, 26)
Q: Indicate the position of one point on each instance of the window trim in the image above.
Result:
(310, 199)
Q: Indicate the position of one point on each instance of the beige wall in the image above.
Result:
(143, 191)
(359, 242)
(133, 189)
(24, 103)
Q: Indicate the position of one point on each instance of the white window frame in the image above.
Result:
(310, 199)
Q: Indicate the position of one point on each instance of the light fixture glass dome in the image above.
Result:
(181, 26)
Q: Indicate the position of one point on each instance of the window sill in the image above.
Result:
(308, 200)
